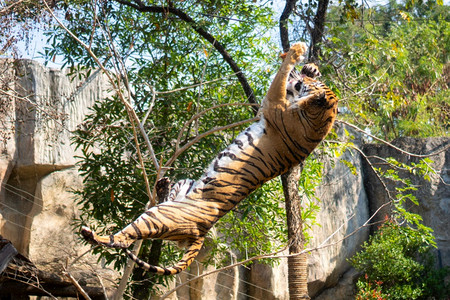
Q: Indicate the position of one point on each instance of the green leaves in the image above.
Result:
(397, 265)
(392, 70)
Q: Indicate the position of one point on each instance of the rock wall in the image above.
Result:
(344, 209)
(38, 109)
(433, 195)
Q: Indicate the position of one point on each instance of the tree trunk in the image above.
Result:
(318, 30)
(297, 265)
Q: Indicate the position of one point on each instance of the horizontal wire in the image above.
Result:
(239, 279)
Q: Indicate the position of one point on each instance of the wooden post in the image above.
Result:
(297, 265)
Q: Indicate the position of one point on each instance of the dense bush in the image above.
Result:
(398, 263)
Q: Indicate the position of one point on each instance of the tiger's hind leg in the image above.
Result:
(149, 225)
(192, 250)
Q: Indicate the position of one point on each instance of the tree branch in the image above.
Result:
(138, 5)
(284, 35)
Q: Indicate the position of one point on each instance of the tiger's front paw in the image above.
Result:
(297, 50)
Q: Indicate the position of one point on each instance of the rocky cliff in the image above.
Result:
(38, 109)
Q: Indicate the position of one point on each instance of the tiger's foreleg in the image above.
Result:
(192, 250)
(277, 90)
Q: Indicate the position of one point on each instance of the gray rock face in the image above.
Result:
(38, 109)
(433, 195)
(344, 209)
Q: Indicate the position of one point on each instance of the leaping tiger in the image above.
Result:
(296, 115)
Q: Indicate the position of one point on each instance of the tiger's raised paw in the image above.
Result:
(311, 70)
(297, 50)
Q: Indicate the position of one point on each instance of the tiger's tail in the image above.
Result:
(191, 252)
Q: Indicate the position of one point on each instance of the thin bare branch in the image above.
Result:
(116, 87)
(134, 120)
(101, 283)
(196, 85)
(7, 9)
(76, 284)
(200, 136)
(198, 115)
(391, 145)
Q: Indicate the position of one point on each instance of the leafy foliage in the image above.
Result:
(163, 56)
(393, 69)
(398, 261)
(398, 265)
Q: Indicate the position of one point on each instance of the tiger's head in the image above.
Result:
(301, 84)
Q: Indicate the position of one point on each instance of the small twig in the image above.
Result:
(391, 145)
(198, 115)
(195, 85)
(152, 103)
(82, 254)
(374, 170)
(76, 284)
(200, 136)
(101, 283)
(6, 9)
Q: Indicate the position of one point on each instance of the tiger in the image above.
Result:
(296, 114)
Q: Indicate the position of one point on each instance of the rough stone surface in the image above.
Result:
(7, 142)
(39, 107)
(268, 282)
(433, 195)
(344, 289)
(344, 209)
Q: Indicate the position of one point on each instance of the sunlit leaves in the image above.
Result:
(392, 70)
